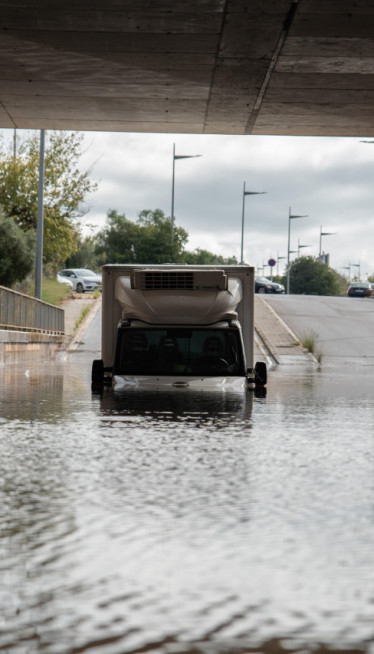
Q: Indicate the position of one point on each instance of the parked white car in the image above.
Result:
(65, 280)
(81, 278)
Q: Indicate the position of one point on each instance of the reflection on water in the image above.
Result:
(196, 407)
(186, 523)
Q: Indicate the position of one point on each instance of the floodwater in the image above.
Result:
(186, 524)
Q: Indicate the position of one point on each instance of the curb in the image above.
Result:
(265, 346)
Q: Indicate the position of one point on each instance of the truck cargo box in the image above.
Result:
(189, 305)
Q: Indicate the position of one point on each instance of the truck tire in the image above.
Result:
(261, 375)
(97, 376)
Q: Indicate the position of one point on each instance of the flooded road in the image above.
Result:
(186, 523)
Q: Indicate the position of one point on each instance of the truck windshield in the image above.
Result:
(176, 351)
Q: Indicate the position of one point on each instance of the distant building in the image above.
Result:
(324, 258)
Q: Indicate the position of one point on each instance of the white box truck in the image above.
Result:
(170, 326)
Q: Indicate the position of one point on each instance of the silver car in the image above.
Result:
(82, 279)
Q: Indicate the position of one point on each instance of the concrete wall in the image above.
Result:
(19, 346)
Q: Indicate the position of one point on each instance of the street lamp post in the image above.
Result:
(349, 271)
(320, 239)
(242, 239)
(39, 223)
(179, 156)
(290, 217)
(357, 265)
(279, 259)
(301, 246)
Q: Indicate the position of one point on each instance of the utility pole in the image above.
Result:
(39, 227)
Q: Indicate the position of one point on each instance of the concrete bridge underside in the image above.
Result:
(301, 67)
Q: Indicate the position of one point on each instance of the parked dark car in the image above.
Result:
(360, 289)
(264, 285)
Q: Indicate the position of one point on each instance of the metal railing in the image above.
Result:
(22, 312)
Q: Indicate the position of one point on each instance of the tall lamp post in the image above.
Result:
(290, 217)
(349, 271)
(39, 224)
(242, 239)
(357, 265)
(320, 239)
(175, 156)
(278, 259)
(301, 246)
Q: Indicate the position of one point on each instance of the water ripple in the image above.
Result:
(186, 523)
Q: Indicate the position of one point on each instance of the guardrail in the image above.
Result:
(22, 312)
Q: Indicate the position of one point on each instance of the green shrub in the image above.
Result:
(17, 254)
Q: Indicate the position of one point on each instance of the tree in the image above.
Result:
(115, 243)
(311, 277)
(148, 240)
(65, 188)
(343, 282)
(17, 252)
(204, 257)
(86, 256)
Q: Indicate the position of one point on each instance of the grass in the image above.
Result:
(309, 342)
(54, 292)
(81, 317)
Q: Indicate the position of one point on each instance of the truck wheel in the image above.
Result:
(97, 377)
(261, 375)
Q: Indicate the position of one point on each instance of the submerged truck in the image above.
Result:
(170, 326)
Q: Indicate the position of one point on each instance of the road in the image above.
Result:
(343, 327)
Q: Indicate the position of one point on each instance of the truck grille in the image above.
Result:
(179, 280)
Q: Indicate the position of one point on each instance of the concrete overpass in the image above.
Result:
(292, 67)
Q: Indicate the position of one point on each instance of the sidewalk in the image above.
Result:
(276, 338)
(73, 309)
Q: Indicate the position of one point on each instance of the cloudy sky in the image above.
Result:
(329, 179)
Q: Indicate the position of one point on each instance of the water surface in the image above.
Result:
(186, 522)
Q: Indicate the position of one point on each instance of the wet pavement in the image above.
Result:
(275, 338)
(186, 523)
